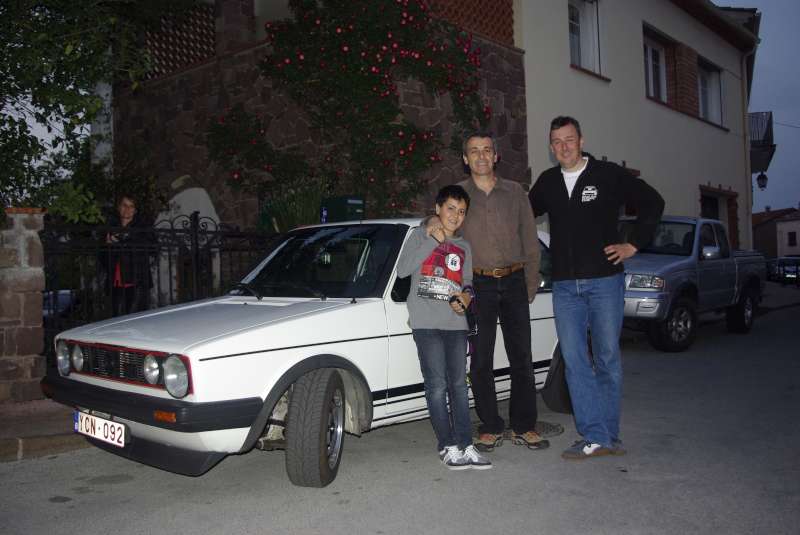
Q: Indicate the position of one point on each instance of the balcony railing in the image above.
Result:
(762, 143)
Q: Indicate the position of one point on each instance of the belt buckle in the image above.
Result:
(497, 272)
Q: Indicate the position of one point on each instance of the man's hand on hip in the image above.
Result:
(618, 252)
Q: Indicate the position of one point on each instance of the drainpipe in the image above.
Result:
(746, 143)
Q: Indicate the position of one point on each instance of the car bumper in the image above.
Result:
(645, 305)
(201, 435)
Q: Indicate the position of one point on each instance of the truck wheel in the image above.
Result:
(739, 317)
(315, 428)
(677, 331)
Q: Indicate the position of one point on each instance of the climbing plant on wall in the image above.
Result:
(341, 62)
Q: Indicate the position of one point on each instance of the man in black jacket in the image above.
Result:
(583, 198)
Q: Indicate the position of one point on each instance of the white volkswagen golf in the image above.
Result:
(312, 344)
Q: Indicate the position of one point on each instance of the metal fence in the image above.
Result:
(97, 272)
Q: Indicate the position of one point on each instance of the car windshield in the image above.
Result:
(337, 261)
(669, 238)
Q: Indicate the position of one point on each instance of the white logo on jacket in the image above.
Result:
(588, 194)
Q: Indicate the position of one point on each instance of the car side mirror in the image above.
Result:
(711, 252)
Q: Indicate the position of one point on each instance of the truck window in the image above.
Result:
(707, 238)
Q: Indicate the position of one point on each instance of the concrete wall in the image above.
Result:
(674, 151)
(21, 286)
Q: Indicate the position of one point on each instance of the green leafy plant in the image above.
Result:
(341, 62)
(54, 55)
(75, 204)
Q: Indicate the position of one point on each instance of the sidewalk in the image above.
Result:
(43, 427)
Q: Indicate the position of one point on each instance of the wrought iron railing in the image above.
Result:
(97, 272)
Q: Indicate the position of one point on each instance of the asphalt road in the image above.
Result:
(712, 435)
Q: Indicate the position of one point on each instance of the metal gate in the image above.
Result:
(97, 272)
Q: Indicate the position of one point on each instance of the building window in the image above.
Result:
(584, 44)
(709, 207)
(709, 92)
(792, 238)
(655, 71)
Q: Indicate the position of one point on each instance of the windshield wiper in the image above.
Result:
(298, 286)
(249, 288)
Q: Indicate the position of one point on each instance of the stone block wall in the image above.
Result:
(169, 116)
(21, 286)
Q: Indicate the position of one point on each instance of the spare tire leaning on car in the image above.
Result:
(555, 392)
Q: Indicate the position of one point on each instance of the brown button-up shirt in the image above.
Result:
(501, 229)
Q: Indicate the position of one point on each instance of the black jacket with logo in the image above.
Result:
(583, 224)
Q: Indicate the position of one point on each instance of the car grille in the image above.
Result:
(114, 363)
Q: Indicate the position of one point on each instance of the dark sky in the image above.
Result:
(776, 88)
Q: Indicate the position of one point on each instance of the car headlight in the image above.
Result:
(176, 376)
(646, 282)
(62, 357)
(151, 369)
(77, 358)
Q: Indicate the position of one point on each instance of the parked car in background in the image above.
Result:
(784, 269)
(688, 269)
(313, 343)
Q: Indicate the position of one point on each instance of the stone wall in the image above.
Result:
(169, 116)
(21, 286)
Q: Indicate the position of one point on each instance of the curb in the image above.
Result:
(18, 449)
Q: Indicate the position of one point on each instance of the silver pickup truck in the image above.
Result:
(688, 269)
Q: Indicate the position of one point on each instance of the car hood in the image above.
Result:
(654, 264)
(176, 328)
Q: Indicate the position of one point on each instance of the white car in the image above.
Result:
(313, 343)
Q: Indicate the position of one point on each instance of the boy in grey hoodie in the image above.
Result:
(439, 262)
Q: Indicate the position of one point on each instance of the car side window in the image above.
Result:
(722, 238)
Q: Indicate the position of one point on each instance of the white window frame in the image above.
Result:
(650, 47)
(709, 92)
(587, 26)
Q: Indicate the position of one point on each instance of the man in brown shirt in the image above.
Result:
(502, 233)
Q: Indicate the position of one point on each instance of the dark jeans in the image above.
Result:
(505, 298)
(443, 360)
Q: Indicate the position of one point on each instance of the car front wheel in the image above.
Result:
(677, 331)
(315, 428)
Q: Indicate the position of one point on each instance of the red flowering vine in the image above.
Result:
(341, 61)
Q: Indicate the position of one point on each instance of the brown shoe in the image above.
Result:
(531, 439)
(488, 441)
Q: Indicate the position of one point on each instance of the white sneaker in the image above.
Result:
(453, 459)
(477, 461)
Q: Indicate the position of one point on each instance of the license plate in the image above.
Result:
(100, 428)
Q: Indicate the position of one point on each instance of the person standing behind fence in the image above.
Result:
(127, 261)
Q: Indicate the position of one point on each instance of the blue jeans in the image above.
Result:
(595, 380)
(443, 361)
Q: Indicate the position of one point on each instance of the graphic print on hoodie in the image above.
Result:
(441, 274)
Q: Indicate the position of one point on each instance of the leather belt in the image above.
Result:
(500, 272)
